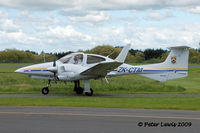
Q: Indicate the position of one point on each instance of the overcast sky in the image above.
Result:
(63, 25)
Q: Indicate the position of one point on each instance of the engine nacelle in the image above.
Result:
(70, 72)
(68, 76)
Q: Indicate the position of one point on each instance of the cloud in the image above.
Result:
(75, 12)
(37, 5)
(33, 22)
(67, 38)
(91, 18)
(157, 16)
(52, 40)
(3, 15)
(195, 9)
(151, 36)
(46, 5)
(60, 25)
(65, 32)
(7, 24)
(18, 39)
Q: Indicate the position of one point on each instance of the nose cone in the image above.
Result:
(19, 70)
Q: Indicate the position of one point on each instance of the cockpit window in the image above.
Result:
(94, 59)
(72, 59)
(66, 58)
(78, 59)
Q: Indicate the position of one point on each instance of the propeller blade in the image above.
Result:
(54, 63)
(55, 77)
(55, 72)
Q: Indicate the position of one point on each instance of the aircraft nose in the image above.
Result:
(19, 70)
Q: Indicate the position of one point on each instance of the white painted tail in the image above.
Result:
(175, 66)
(122, 55)
(178, 57)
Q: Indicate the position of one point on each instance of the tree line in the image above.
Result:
(134, 55)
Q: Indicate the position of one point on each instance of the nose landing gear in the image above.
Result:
(45, 90)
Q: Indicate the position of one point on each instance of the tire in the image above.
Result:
(45, 90)
(89, 93)
(79, 90)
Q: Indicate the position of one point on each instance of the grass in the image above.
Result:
(180, 103)
(17, 64)
(19, 83)
(191, 83)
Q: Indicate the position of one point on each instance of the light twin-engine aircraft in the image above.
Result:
(80, 66)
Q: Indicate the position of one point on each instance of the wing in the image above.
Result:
(101, 69)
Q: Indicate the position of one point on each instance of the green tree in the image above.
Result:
(139, 57)
(194, 56)
(164, 56)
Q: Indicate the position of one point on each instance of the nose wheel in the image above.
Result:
(45, 90)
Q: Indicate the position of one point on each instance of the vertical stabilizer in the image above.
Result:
(175, 66)
(178, 57)
(122, 55)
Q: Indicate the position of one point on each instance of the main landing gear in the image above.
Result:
(88, 91)
(77, 87)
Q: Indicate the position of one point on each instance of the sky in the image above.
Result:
(71, 25)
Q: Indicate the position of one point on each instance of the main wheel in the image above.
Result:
(79, 90)
(89, 93)
(45, 90)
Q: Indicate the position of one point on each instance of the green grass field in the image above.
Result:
(19, 83)
(181, 103)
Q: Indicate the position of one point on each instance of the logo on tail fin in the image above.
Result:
(173, 59)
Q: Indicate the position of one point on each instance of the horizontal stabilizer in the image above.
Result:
(179, 47)
(101, 69)
(166, 75)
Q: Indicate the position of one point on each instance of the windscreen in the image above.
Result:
(72, 59)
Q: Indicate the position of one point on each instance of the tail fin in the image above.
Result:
(175, 66)
(178, 57)
(122, 55)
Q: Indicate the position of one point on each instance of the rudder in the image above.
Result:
(175, 65)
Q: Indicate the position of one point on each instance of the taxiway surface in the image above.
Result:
(34, 119)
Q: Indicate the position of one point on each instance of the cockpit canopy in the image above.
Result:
(81, 58)
(72, 59)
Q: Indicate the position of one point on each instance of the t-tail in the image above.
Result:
(175, 66)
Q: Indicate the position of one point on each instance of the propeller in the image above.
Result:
(54, 70)
(54, 73)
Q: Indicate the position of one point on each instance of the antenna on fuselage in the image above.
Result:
(44, 57)
(110, 53)
(43, 54)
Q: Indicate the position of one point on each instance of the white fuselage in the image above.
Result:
(71, 67)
